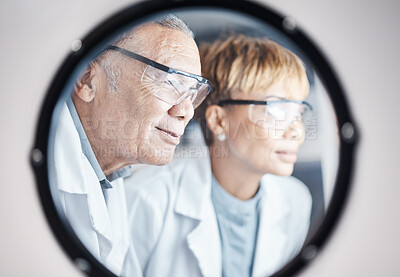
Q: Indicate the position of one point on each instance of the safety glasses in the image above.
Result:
(274, 114)
(173, 86)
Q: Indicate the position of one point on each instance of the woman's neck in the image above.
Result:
(233, 176)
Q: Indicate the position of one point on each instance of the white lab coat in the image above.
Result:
(174, 230)
(101, 227)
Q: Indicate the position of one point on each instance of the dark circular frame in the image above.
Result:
(349, 134)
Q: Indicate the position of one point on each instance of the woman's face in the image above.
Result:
(259, 149)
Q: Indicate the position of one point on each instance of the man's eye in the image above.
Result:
(166, 84)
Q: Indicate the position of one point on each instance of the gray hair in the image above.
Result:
(170, 21)
(173, 22)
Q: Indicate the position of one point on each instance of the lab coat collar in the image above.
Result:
(75, 175)
(85, 145)
(272, 239)
(87, 150)
(205, 244)
(194, 202)
(195, 188)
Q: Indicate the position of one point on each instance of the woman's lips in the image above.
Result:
(287, 156)
(169, 136)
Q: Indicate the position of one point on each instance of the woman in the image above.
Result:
(236, 212)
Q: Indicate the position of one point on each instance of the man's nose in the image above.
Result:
(295, 130)
(183, 111)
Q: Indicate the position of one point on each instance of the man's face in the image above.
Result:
(134, 125)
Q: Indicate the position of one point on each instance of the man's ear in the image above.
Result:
(84, 88)
(216, 118)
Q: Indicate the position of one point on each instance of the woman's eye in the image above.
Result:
(298, 118)
(277, 113)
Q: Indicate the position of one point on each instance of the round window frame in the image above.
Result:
(349, 134)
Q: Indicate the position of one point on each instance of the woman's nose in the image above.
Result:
(295, 130)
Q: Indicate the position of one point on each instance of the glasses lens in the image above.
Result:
(192, 89)
(202, 93)
(159, 84)
(173, 88)
(279, 114)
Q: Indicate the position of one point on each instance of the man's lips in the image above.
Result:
(169, 136)
(168, 132)
(289, 156)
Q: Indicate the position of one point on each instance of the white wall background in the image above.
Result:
(361, 38)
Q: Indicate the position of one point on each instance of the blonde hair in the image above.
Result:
(242, 64)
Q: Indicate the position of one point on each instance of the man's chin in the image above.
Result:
(155, 155)
(164, 162)
(161, 159)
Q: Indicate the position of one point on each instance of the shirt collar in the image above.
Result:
(231, 206)
(87, 150)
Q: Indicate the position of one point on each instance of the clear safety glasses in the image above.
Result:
(276, 113)
(173, 86)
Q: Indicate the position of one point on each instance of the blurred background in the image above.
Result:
(360, 38)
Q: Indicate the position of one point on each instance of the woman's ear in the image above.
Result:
(84, 88)
(216, 118)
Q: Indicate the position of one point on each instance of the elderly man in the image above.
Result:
(130, 106)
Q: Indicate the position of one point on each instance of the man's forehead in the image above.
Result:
(168, 50)
(170, 47)
(163, 44)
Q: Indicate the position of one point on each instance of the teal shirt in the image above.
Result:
(238, 225)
